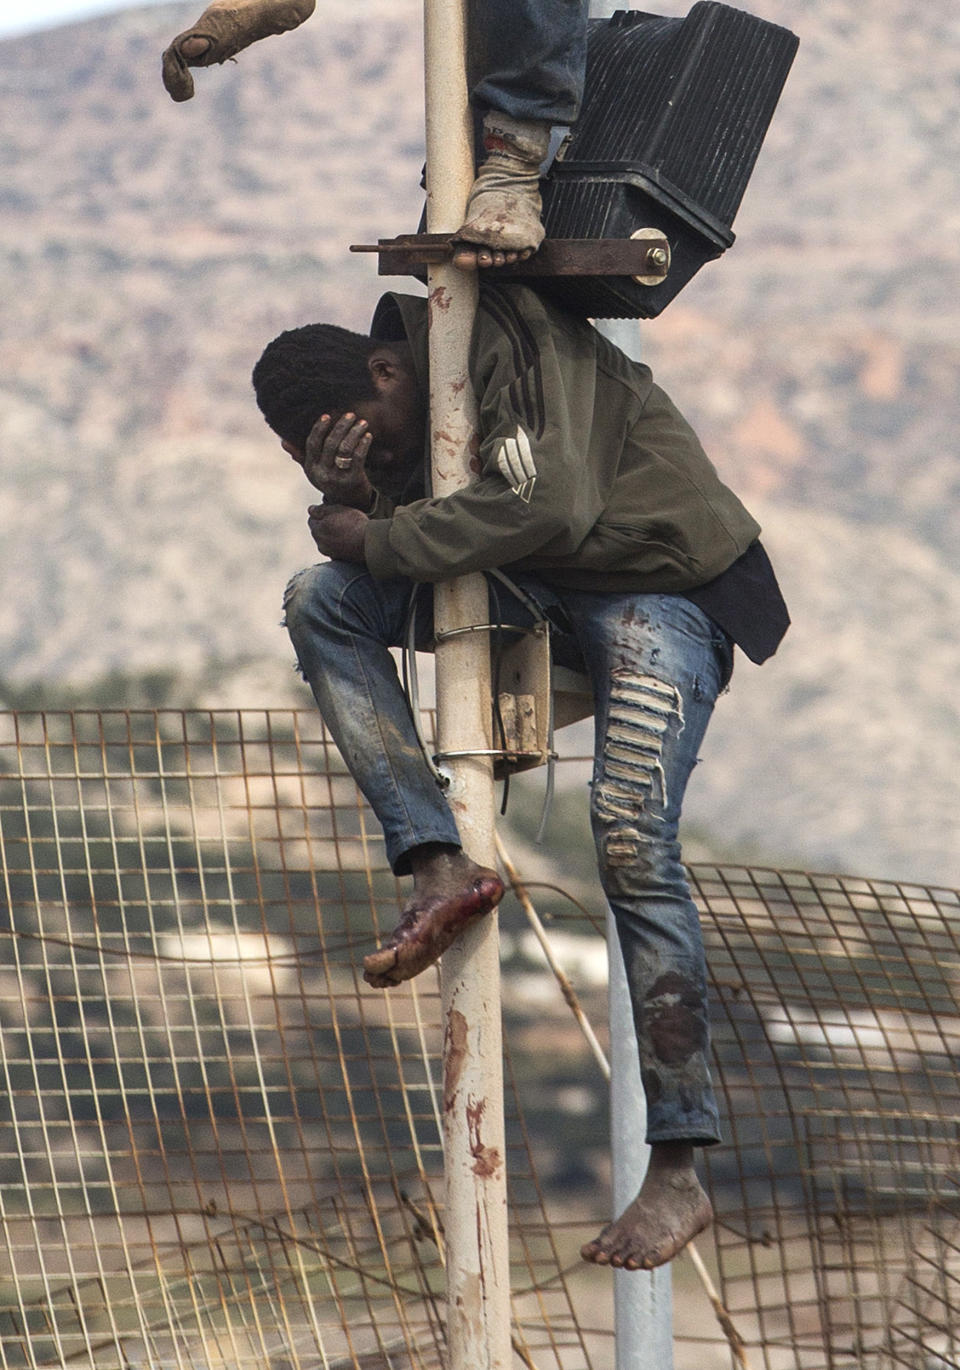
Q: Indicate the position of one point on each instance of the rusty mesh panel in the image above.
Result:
(218, 1148)
(836, 1036)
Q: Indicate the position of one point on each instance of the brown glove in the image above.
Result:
(225, 28)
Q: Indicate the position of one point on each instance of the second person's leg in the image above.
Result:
(527, 58)
(527, 62)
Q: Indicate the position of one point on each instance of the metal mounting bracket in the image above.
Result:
(645, 256)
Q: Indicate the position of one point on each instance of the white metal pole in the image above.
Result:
(478, 1268)
(643, 1301)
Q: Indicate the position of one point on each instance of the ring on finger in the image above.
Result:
(343, 462)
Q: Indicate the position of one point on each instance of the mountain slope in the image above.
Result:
(147, 517)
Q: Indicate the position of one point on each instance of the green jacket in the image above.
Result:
(588, 473)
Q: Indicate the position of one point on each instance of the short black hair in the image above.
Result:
(309, 371)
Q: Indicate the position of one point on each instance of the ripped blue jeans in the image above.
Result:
(657, 664)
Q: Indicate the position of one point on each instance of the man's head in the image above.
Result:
(322, 369)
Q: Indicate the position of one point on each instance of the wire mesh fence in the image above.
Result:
(837, 1042)
(219, 1148)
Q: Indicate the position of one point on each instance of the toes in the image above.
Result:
(625, 1256)
(490, 888)
(176, 75)
(195, 47)
(379, 968)
(619, 1251)
(377, 981)
(481, 257)
(391, 966)
(598, 1250)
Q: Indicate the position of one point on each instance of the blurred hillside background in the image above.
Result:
(148, 520)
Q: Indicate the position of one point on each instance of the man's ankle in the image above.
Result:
(677, 1155)
(528, 139)
(432, 854)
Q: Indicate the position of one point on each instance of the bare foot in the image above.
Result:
(449, 892)
(502, 216)
(669, 1211)
(225, 28)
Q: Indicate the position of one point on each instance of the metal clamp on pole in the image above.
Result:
(521, 699)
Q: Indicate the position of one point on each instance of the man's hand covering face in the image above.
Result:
(335, 458)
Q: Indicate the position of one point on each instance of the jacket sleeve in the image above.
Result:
(534, 375)
(383, 507)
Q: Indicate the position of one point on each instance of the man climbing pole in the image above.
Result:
(527, 60)
(595, 496)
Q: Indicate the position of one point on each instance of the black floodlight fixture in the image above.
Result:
(674, 114)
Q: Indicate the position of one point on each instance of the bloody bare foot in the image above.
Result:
(502, 217)
(669, 1211)
(449, 892)
(503, 224)
(225, 28)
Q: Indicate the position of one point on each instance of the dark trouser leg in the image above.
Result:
(527, 57)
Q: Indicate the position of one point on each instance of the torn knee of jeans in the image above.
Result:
(288, 620)
(622, 845)
(642, 709)
(676, 1018)
(291, 589)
